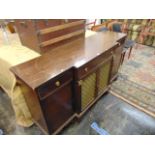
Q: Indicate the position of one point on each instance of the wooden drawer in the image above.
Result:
(53, 85)
(91, 66)
(86, 69)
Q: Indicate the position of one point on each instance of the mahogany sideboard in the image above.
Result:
(65, 82)
(43, 34)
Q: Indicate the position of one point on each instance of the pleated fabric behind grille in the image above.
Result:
(103, 77)
(88, 89)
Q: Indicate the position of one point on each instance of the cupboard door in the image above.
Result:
(103, 76)
(116, 60)
(88, 90)
(57, 107)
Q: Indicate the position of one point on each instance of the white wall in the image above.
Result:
(98, 21)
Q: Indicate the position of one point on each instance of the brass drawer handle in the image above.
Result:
(86, 69)
(57, 83)
(80, 82)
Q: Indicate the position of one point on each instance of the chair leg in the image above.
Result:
(130, 52)
(122, 58)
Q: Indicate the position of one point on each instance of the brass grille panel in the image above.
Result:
(88, 90)
(103, 77)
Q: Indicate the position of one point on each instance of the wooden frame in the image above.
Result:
(60, 27)
(48, 34)
(63, 37)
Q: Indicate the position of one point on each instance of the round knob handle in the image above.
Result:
(57, 83)
(86, 69)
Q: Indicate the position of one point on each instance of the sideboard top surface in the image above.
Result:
(73, 54)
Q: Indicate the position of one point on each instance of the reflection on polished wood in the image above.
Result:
(73, 54)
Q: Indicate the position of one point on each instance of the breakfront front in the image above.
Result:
(65, 82)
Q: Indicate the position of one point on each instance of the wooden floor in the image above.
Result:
(111, 113)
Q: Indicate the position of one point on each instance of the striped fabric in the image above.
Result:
(133, 28)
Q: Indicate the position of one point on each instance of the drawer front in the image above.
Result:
(91, 66)
(86, 69)
(54, 84)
